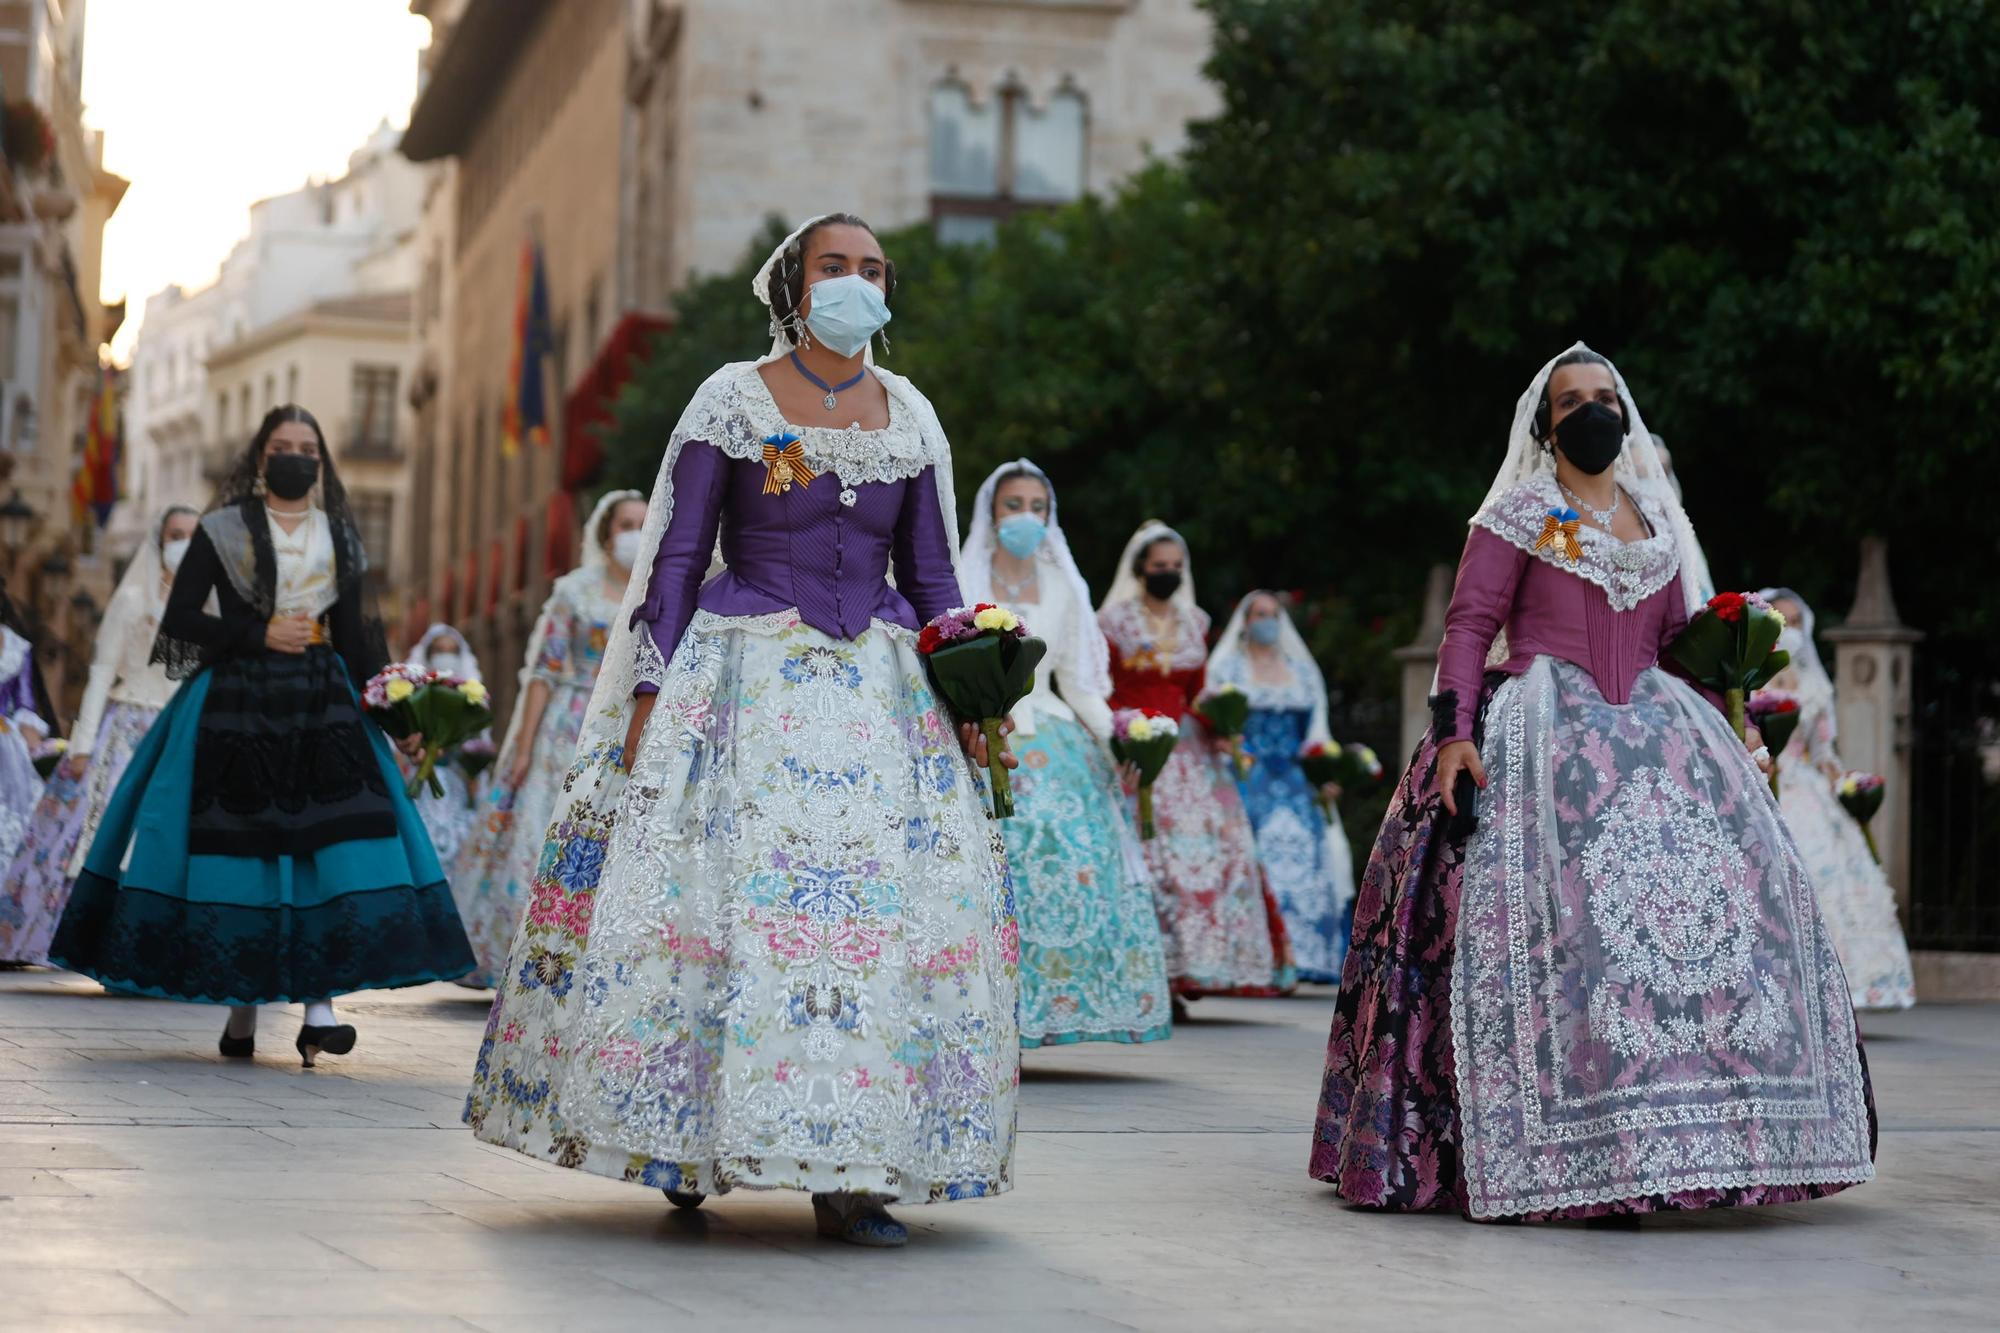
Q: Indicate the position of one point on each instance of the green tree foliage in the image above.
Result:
(1302, 343)
(1782, 220)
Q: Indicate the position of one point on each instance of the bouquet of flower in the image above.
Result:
(1776, 713)
(1226, 709)
(446, 711)
(473, 758)
(1861, 796)
(48, 754)
(1357, 766)
(982, 662)
(1322, 763)
(1731, 646)
(1144, 738)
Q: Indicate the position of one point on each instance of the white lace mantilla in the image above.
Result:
(735, 412)
(1629, 572)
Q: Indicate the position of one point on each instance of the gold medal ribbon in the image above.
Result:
(785, 463)
(1561, 533)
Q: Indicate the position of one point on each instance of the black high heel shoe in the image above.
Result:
(685, 1198)
(335, 1040)
(237, 1048)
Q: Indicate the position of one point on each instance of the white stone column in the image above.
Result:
(1872, 655)
(1419, 661)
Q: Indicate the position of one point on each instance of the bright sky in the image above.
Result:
(210, 105)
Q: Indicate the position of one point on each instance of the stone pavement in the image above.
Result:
(146, 1184)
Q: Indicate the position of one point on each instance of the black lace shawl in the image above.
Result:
(232, 558)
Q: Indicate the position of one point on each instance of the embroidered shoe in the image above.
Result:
(858, 1219)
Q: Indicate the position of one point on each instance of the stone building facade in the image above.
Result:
(52, 332)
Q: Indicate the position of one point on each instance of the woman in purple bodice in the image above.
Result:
(770, 942)
(1613, 992)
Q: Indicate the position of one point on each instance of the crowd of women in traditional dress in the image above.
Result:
(749, 925)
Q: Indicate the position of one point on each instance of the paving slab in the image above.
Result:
(145, 1183)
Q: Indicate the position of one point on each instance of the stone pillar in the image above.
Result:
(1872, 655)
(1419, 661)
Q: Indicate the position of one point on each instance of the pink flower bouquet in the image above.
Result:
(445, 710)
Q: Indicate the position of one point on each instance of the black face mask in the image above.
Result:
(290, 476)
(1591, 437)
(1163, 585)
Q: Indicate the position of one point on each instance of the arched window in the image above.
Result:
(1048, 149)
(965, 144)
(989, 161)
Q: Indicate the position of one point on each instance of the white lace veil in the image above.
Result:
(146, 577)
(1227, 661)
(1126, 585)
(1088, 668)
(419, 655)
(1638, 468)
(591, 563)
(1813, 675)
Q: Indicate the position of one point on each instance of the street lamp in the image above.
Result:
(17, 516)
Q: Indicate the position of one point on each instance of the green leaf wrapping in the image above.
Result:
(1778, 729)
(980, 681)
(1149, 757)
(1226, 714)
(1725, 656)
(1863, 805)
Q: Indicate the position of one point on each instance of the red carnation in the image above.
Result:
(928, 639)
(1728, 605)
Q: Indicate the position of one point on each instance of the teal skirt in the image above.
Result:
(159, 912)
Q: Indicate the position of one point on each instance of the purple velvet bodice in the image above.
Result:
(819, 547)
(1611, 612)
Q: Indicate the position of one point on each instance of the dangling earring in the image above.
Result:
(885, 344)
(257, 486)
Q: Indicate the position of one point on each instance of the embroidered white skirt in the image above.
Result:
(782, 954)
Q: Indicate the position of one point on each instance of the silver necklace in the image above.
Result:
(1603, 516)
(1013, 591)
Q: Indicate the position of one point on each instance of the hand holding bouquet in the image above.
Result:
(1322, 763)
(446, 711)
(1226, 709)
(1731, 646)
(982, 662)
(1861, 796)
(1776, 715)
(1145, 739)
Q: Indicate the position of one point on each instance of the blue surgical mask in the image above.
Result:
(1265, 631)
(1022, 534)
(846, 312)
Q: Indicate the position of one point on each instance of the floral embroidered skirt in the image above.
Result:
(20, 787)
(1854, 895)
(449, 819)
(259, 849)
(782, 953)
(498, 854)
(1091, 965)
(1223, 931)
(1616, 996)
(36, 888)
(1306, 858)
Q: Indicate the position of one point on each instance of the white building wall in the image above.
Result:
(346, 237)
